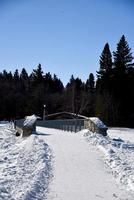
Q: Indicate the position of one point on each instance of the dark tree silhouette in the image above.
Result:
(105, 62)
(123, 56)
(90, 83)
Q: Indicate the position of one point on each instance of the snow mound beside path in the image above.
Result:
(98, 122)
(30, 120)
(119, 156)
(25, 166)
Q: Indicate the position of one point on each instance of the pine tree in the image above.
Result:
(123, 63)
(57, 84)
(105, 61)
(123, 57)
(71, 82)
(23, 74)
(90, 83)
(9, 76)
(103, 85)
(5, 73)
(16, 75)
(24, 81)
(38, 74)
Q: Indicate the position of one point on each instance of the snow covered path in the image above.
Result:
(58, 165)
(78, 169)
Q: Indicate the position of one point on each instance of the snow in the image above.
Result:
(78, 170)
(126, 134)
(57, 165)
(118, 152)
(25, 166)
(98, 122)
(30, 120)
(3, 123)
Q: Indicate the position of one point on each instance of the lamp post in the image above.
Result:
(44, 112)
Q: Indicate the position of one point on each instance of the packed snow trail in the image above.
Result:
(78, 170)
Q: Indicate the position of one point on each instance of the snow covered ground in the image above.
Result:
(25, 166)
(78, 169)
(58, 165)
(127, 134)
(118, 153)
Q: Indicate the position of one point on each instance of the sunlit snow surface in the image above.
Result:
(30, 120)
(25, 166)
(58, 165)
(98, 122)
(118, 152)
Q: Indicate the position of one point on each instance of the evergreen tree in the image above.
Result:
(122, 86)
(90, 83)
(38, 74)
(57, 85)
(105, 61)
(9, 76)
(48, 83)
(16, 75)
(5, 73)
(103, 96)
(24, 79)
(74, 95)
(71, 82)
(23, 74)
(123, 56)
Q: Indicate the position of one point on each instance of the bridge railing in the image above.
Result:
(73, 125)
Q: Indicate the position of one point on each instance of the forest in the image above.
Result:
(109, 96)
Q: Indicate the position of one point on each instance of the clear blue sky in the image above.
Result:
(65, 36)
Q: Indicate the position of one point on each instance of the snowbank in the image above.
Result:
(119, 156)
(98, 122)
(30, 120)
(3, 123)
(25, 166)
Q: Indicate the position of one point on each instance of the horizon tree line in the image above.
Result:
(110, 97)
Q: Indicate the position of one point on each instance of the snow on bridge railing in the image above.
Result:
(93, 124)
(26, 126)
